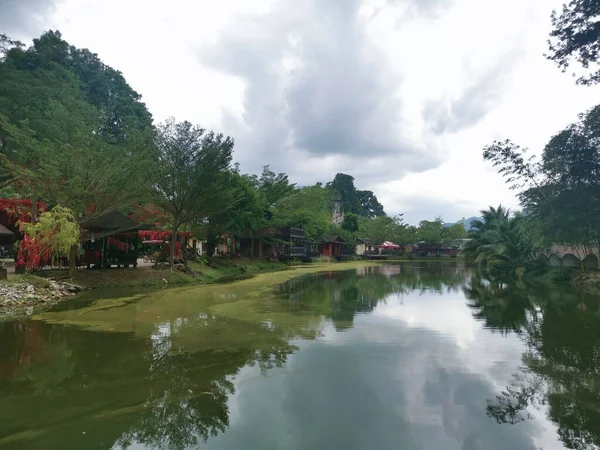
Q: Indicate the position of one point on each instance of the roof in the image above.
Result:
(367, 241)
(5, 231)
(337, 239)
(110, 221)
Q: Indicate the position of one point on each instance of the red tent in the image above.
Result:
(389, 245)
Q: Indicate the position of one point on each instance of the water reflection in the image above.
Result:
(165, 370)
(560, 375)
(169, 388)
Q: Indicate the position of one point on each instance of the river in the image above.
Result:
(407, 356)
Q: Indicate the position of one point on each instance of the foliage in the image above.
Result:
(272, 186)
(575, 36)
(350, 222)
(308, 207)
(190, 174)
(55, 233)
(386, 228)
(361, 203)
(560, 192)
(241, 209)
(431, 231)
(73, 131)
(455, 232)
(501, 246)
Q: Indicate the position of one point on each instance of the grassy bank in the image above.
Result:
(221, 272)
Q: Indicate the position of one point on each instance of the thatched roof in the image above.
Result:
(113, 221)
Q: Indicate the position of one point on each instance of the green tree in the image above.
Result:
(56, 232)
(560, 192)
(431, 231)
(240, 211)
(68, 138)
(189, 175)
(361, 203)
(455, 232)
(575, 37)
(350, 222)
(308, 207)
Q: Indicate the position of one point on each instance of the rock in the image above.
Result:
(72, 287)
(30, 288)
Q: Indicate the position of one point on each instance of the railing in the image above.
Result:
(296, 251)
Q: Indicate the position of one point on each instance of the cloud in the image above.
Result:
(22, 18)
(475, 101)
(317, 87)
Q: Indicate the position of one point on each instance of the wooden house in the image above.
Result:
(291, 243)
(332, 246)
(282, 243)
(365, 246)
(110, 240)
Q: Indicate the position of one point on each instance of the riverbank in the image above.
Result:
(22, 293)
(46, 288)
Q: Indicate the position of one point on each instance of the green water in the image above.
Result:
(412, 356)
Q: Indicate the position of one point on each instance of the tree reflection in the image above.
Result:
(340, 296)
(167, 382)
(561, 370)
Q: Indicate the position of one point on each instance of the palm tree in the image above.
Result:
(500, 245)
(491, 219)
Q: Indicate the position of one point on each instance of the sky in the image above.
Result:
(401, 94)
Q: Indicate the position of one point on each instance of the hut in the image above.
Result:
(110, 240)
(332, 246)
(365, 246)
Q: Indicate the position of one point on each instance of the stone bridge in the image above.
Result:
(567, 256)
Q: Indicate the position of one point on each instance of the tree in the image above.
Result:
(272, 186)
(501, 245)
(308, 207)
(575, 36)
(190, 173)
(55, 234)
(73, 132)
(431, 231)
(350, 222)
(370, 206)
(455, 232)
(241, 210)
(561, 192)
(361, 203)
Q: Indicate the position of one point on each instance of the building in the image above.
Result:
(332, 246)
(110, 240)
(365, 246)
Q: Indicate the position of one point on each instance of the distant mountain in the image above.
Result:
(468, 222)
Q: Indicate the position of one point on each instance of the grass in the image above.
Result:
(222, 272)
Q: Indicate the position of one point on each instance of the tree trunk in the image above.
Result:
(252, 244)
(173, 244)
(34, 210)
(72, 260)
(211, 244)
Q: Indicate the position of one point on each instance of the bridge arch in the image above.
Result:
(554, 260)
(570, 260)
(590, 261)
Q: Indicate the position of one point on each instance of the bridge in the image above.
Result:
(572, 256)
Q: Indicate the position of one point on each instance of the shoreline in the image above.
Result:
(28, 294)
